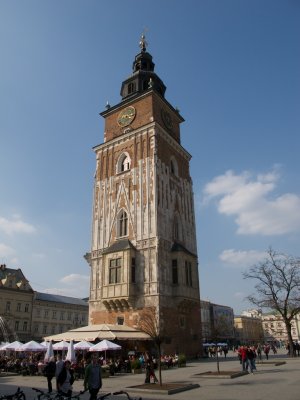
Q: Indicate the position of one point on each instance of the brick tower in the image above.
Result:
(143, 252)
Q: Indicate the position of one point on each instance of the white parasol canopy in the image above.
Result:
(71, 352)
(12, 346)
(49, 352)
(31, 346)
(105, 345)
(83, 345)
(61, 345)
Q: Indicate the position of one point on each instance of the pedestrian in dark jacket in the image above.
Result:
(92, 377)
(49, 372)
(65, 380)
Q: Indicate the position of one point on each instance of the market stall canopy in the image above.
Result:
(32, 346)
(105, 345)
(62, 345)
(103, 331)
(12, 346)
(83, 345)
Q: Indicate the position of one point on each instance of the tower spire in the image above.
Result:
(143, 44)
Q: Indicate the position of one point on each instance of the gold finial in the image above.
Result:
(143, 44)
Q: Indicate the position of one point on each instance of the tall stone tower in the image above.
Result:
(143, 252)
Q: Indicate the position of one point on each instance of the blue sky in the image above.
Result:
(231, 66)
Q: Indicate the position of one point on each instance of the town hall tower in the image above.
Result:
(143, 253)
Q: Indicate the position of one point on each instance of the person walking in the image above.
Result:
(59, 366)
(65, 380)
(49, 372)
(92, 377)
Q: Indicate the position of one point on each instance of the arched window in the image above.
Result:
(124, 162)
(131, 87)
(122, 224)
(173, 166)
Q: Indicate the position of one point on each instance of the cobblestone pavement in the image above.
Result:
(269, 382)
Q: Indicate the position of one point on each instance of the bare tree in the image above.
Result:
(149, 323)
(277, 287)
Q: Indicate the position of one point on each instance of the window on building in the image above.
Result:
(25, 325)
(122, 224)
(61, 315)
(46, 314)
(174, 272)
(54, 314)
(69, 316)
(26, 307)
(188, 274)
(123, 163)
(131, 87)
(38, 312)
(133, 270)
(120, 320)
(45, 329)
(7, 308)
(36, 328)
(10, 283)
(182, 321)
(173, 166)
(52, 330)
(17, 323)
(115, 270)
(19, 307)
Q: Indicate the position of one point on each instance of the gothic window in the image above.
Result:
(123, 163)
(131, 87)
(115, 270)
(173, 166)
(133, 270)
(188, 274)
(174, 272)
(122, 224)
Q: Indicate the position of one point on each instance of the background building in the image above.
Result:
(26, 314)
(143, 253)
(217, 323)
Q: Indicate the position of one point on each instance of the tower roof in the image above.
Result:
(143, 76)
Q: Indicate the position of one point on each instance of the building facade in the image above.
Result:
(248, 330)
(217, 323)
(143, 253)
(275, 330)
(29, 315)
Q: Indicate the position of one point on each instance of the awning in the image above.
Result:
(100, 332)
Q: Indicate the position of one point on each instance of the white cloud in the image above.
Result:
(15, 225)
(239, 295)
(249, 199)
(241, 258)
(6, 251)
(75, 279)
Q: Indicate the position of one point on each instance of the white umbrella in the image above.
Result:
(83, 345)
(49, 352)
(61, 345)
(71, 352)
(31, 346)
(105, 345)
(12, 346)
(44, 343)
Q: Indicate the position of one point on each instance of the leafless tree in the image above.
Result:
(277, 287)
(149, 323)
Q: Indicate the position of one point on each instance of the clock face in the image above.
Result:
(126, 116)
(166, 117)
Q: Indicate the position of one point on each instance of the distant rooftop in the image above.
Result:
(60, 299)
